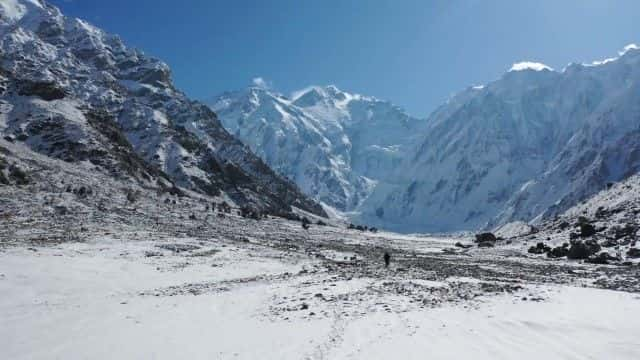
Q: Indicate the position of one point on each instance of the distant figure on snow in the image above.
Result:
(387, 259)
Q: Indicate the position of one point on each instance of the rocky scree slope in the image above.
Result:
(70, 91)
(603, 229)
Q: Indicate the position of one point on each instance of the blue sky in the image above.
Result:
(415, 53)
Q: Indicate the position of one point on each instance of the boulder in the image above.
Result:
(540, 248)
(627, 230)
(46, 90)
(484, 244)
(558, 252)
(587, 230)
(582, 250)
(633, 253)
(602, 258)
(485, 237)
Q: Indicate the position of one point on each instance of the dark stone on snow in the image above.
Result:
(587, 230)
(540, 248)
(627, 230)
(483, 244)
(464, 246)
(602, 258)
(485, 237)
(582, 250)
(558, 252)
(582, 220)
(633, 253)
(178, 248)
(46, 90)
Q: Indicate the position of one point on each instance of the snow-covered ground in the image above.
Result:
(90, 274)
(127, 298)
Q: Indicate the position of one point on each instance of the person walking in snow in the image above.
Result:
(387, 259)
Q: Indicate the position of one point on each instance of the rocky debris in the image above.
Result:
(486, 244)
(178, 248)
(46, 90)
(461, 245)
(559, 251)
(540, 248)
(485, 240)
(250, 213)
(485, 237)
(583, 249)
(633, 253)
(362, 228)
(17, 175)
(603, 258)
(205, 253)
(587, 230)
(629, 230)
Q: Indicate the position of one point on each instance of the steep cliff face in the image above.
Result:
(72, 91)
(526, 146)
(335, 145)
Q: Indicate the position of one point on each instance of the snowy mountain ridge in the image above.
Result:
(335, 145)
(71, 91)
(524, 147)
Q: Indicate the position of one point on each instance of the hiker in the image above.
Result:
(387, 259)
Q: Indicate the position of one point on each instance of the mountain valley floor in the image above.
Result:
(144, 283)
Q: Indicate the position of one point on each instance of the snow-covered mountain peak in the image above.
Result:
(629, 48)
(72, 91)
(329, 95)
(523, 147)
(529, 65)
(335, 145)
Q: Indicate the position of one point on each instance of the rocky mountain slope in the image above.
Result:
(71, 91)
(90, 273)
(602, 229)
(335, 145)
(524, 147)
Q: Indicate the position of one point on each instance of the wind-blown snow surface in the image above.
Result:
(524, 147)
(81, 301)
(71, 91)
(335, 145)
